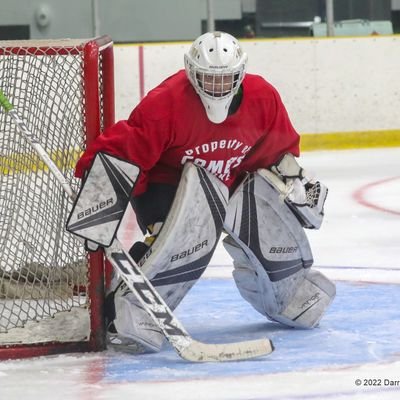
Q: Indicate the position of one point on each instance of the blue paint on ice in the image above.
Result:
(360, 327)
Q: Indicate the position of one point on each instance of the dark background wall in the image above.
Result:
(271, 13)
(168, 20)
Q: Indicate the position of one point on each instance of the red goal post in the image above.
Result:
(51, 291)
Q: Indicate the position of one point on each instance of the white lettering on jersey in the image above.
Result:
(219, 167)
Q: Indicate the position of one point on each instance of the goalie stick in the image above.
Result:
(188, 348)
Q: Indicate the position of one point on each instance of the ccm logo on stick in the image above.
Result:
(95, 208)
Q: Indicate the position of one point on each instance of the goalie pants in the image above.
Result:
(153, 205)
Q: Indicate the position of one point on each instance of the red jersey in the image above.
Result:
(170, 127)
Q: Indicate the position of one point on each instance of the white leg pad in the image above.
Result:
(133, 323)
(312, 298)
(179, 255)
(299, 300)
(272, 257)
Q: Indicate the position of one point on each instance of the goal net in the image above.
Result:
(50, 300)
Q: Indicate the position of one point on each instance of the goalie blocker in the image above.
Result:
(102, 200)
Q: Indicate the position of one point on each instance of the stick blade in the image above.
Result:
(201, 352)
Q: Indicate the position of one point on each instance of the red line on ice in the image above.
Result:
(360, 196)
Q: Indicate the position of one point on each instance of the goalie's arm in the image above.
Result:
(137, 140)
(304, 195)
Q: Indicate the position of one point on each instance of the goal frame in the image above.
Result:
(99, 113)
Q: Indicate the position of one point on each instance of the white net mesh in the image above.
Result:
(43, 269)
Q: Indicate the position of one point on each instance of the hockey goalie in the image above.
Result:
(214, 153)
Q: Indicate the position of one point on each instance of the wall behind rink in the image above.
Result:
(328, 85)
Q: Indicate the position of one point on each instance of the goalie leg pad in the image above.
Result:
(134, 327)
(189, 235)
(269, 232)
(180, 253)
(298, 301)
(271, 255)
(312, 298)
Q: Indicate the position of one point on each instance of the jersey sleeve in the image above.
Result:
(141, 140)
(280, 136)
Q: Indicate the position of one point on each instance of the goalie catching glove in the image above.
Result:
(304, 196)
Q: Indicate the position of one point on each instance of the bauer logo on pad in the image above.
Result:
(102, 200)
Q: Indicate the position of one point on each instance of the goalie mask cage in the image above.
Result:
(50, 300)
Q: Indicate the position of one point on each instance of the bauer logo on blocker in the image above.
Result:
(97, 207)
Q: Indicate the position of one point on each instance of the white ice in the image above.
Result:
(358, 243)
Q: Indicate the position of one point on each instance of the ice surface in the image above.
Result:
(358, 339)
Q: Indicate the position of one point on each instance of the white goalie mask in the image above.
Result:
(215, 66)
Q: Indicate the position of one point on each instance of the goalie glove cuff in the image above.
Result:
(288, 168)
(304, 196)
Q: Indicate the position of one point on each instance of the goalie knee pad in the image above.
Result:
(272, 256)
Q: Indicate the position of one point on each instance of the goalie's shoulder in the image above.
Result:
(259, 87)
(165, 99)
